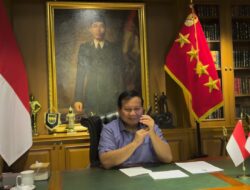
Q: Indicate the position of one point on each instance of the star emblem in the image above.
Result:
(201, 69)
(193, 53)
(183, 39)
(212, 84)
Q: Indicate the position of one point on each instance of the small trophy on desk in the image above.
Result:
(35, 108)
(70, 117)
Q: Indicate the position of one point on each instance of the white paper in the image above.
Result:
(134, 171)
(198, 167)
(168, 174)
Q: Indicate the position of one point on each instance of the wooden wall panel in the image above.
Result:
(29, 22)
(75, 157)
(181, 142)
(42, 154)
(176, 150)
(213, 147)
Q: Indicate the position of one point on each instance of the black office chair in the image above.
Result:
(109, 117)
(94, 125)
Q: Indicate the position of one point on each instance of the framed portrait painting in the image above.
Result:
(95, 52)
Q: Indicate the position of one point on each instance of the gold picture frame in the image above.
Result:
(68, 26)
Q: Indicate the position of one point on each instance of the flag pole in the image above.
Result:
(1, 171)
(244, 175)
(198, 133)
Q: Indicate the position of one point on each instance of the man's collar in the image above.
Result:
(123, 128)
(121, 125)
(96, 43)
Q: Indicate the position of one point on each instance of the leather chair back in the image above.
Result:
(94, 125)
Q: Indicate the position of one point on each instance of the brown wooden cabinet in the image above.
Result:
(240, 22)
(63, 151)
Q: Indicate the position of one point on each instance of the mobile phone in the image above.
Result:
(149, 110)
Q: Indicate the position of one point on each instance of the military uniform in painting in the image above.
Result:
(99, 80)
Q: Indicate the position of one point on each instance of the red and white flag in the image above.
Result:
(247, 145)
(236, 145)
(15, 124)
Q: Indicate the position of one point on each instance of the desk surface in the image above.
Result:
(96, 179)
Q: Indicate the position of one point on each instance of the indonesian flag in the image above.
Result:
(247, 145)
(236, 145)
(190, 64)
(15, 125)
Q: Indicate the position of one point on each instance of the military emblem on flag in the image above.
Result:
(189, 62)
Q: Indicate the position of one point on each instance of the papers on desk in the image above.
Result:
(198, 167)
(134, 171)
(168, 174)
(131, 172)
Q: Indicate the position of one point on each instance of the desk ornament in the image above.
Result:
(35, 107)
(163, 117)
(224, 140)
(41, 170)
(70, 117)
(52, 120)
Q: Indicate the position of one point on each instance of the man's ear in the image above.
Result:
(119, 110)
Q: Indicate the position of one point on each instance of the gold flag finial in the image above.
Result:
(191, 4)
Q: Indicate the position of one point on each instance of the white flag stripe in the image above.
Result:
(247, 146)
(234, 151)
(15, 127)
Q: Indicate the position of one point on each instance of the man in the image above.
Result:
(133, 138)
(98, 80)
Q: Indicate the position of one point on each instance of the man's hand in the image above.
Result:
(148, 121)
(140, 136)
(78, 106)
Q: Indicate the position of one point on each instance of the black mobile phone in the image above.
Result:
(149, 110)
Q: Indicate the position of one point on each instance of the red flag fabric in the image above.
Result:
(190, 64)
(236, 145)
(15, 124)
(247, 145)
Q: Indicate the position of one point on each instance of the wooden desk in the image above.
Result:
(96, 179)
(242, 187)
